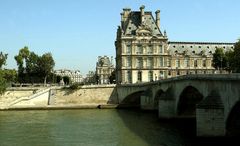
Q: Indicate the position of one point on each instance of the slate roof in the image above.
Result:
(134, 22)
(193, 48)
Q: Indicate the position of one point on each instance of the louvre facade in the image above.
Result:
(144, 53)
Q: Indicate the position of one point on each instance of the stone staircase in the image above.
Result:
(5, 104)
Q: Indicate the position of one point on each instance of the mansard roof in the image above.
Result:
(133, 23)
(197, 48)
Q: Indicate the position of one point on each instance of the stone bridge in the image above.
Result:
(212, 99)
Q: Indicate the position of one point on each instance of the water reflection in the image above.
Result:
(95, 128)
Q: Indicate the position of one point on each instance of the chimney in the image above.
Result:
(142, 13)
(122, 19)
(158, 18)
(124, 15)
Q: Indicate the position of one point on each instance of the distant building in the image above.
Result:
(90, 78)
(144, 54)
(104, 68)
(74, 75)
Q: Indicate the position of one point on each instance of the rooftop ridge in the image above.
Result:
(183, 42)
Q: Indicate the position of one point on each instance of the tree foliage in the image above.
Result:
(219, 59)
(112, 78)
(3, 58)
(32, 67)
(3, 84)
(45, 65)
(229, 60)
(236, 57)
(66, 80)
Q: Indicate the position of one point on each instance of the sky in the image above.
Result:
(76, 32)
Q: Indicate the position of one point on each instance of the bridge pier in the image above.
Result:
(166, 109)
(210, 116)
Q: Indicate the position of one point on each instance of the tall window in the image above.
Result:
(177, 63)
(204, 63)
(186, 62)
(150, 76)
(150, 62)
(139, 62)
(139, 76)
(128, 51)
(129, 77)
(161, 62)
(195, 63)
(169, 62)
(150, 49)
(160, 49)
(129, 62)
(161, 75)
(139, 49)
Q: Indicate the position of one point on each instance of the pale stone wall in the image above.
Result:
(10, 96)
(89, 95)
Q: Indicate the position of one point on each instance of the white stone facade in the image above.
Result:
(143, 52)
(74, 75)
(104, 69)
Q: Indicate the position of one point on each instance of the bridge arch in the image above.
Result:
(233, 121)
(186, 104)
(133, 98)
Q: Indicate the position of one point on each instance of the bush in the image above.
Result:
(74, 86)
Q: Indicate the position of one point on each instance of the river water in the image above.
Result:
(95, 127)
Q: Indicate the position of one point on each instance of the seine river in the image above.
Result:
(94, 127)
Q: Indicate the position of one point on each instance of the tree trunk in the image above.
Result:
(45, 81)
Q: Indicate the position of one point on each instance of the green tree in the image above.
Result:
(59, 78)
(10, 75)
(236, 57)
(3, 58)
(45, 64)
(219, 59)
(3, 84)
(21, 60)
(66, 80)
(112, 77)
(230, 60)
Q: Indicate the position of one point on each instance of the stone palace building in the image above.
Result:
(104, 68)
(144, 53)
(74, 75)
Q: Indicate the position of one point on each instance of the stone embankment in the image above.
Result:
(91, 96)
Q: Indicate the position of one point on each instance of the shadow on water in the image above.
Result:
(174, 132)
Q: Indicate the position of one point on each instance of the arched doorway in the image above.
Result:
(233, 121)
(188, 99)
